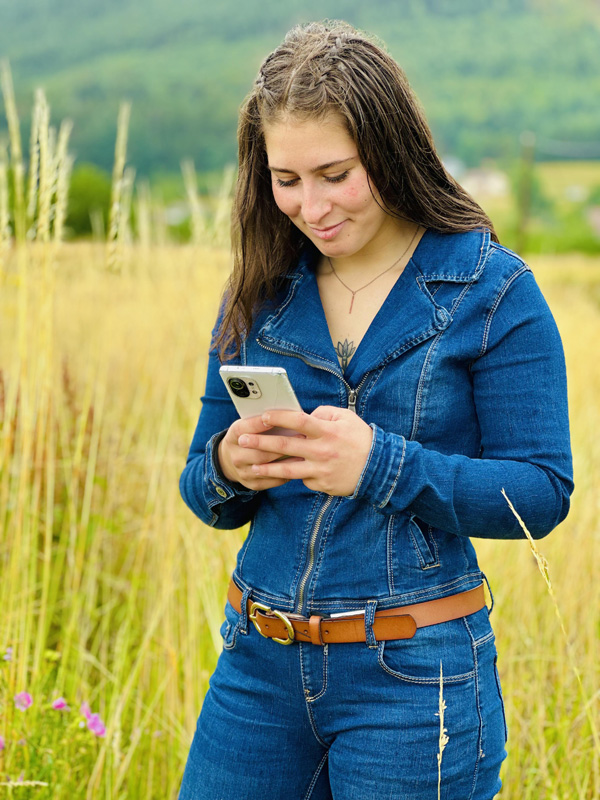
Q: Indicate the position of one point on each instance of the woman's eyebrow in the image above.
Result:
(315, 169)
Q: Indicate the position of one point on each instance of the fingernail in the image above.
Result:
(256, 469)
(266, 418)
(243, 440)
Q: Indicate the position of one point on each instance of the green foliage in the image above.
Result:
(566, 233)
(484, 70)
(89, 193)
(593, 198)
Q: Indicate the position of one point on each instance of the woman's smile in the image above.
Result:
(329, 232)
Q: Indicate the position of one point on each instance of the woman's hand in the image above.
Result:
(329, 456)
(236, 462)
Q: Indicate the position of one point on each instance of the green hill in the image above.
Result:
(485, 71)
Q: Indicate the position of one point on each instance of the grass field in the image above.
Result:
(111, 592)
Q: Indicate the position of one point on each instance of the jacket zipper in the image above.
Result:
(352, 398)
(311, 553)
(352, 393)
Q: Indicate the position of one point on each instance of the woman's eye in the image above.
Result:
(286, 183)
(337, 178)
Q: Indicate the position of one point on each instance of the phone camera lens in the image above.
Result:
(238, 387)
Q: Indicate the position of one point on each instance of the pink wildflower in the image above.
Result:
(96, 725)
(94, 722)
(23, 700)
(2, 743)
(8, 654)
(60, 705)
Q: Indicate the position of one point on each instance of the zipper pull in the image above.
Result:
(352, 400)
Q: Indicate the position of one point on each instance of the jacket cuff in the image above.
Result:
(218, 489)
(382, 469)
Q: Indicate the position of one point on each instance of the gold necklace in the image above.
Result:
(354, 292)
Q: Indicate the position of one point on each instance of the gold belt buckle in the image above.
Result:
(261, 607)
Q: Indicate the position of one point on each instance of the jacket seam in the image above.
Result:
(390, 553)
(421, 385)
(367, 392)
(366, 466)
(397, 476)
(503, 290)
(484, 252)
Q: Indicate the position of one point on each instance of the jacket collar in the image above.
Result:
(456, 258)
(408, 316)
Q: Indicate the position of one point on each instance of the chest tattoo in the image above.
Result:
(345, 351)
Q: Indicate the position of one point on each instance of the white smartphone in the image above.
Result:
(255, 390)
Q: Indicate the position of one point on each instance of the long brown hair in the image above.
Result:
(319, 69)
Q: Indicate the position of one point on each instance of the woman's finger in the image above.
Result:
(285, 445)
(247, 425)
(245, 457)
(298, 421)
(289, 469)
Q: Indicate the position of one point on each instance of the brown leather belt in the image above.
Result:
(389, 623)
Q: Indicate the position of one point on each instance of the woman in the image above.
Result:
(431, 377)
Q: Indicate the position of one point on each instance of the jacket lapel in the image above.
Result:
(408, 316)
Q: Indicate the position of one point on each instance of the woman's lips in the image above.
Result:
(328, 233)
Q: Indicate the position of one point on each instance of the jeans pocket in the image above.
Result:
(230, 626)
(418, 660)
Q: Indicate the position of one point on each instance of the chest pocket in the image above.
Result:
(424, 543)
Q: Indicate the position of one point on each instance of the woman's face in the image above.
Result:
(320, 184)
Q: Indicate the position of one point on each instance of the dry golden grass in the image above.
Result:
(112, 592)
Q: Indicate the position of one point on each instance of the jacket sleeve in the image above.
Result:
(203, 486)
(520, 392)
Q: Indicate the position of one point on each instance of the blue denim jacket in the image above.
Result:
(461, 376)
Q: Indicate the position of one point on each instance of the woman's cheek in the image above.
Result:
(284, 202)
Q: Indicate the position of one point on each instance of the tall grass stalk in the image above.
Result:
(588, 702)
(117, 217)
(63, 167)
(34, 165)
(16, 153)
(223, 210)
(46, 167)
(5, 235)
(443, 737)
(143, 207)
(198, 223)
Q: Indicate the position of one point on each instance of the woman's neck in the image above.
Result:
(391, 250)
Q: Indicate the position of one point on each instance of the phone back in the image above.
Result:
(255, 390)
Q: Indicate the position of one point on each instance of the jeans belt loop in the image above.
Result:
(370, 609)
(244, 610)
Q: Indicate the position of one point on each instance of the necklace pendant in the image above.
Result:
(351, 302)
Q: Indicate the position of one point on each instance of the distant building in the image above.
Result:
(485, 182)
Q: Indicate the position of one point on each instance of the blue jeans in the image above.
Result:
(350, 721)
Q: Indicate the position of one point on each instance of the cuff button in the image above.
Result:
(221, 491)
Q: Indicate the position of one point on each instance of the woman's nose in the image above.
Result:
(315, 205)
